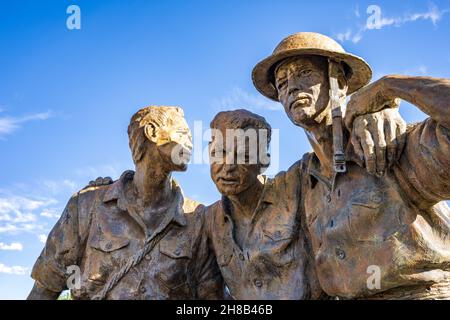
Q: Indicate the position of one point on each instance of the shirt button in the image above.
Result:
(241, 256)
(148, 257)
(328, 198)
(377, 199)
(340, 253)
(143, 289)
(331, 223)
(258, 283)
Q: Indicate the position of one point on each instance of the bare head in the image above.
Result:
(238, 134)
(160, 133)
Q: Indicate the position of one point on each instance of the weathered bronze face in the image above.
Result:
(161, 134)
(229, 176)
(303, 87)
(175, 144)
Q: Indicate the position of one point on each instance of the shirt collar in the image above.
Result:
(118, 192)
(268, 196)
(313, 164)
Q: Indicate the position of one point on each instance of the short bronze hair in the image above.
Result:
(241, 119)
(144, 124)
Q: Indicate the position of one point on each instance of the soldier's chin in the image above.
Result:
(181, 165)
(301, 116)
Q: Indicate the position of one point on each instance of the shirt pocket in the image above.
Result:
(105, 257)
(279, 246)
(370, 220)
(175, 256)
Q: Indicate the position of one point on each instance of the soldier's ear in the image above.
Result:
(150, 131)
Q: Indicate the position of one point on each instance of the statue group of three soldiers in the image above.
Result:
(311, 232)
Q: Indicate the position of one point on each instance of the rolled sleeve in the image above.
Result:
(61, 250)
(424, 168)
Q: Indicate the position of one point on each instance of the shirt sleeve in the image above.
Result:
(208, 279)
(423, 170)
(61, 250)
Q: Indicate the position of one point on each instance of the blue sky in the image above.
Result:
(66, 96)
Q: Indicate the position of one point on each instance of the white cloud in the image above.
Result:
(58, 186)
(18, 213)
(434, 14)
(345, 36)
(10, 124)
(16, 270)
(420, 70)
(42, 238)
(92, 172)
(17, 246)
(51, 213)
(238, 98)
(356, 12)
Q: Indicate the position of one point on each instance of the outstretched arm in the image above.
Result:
(431, 95)
(424, 166)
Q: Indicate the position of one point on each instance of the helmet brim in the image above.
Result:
(264, 79)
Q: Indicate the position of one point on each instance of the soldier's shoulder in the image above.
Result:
(97, 184)
(292, 172)
(191, 207)
(95, 188)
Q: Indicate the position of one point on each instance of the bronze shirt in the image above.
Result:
(99, 230)
(395, 223)
(275, 260)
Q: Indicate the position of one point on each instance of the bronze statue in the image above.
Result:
(391, 222)
(361, 217)
(138, 238)
(255, 229)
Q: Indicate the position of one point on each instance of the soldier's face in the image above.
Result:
(303, 88)
(229, 176)
(176, 144)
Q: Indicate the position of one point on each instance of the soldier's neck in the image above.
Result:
(321, 138)
(245, 202)
(153, 185)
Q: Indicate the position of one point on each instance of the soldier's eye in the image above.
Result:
(305, 73)
(281, 84)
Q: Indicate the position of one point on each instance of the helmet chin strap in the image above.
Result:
(336, 114)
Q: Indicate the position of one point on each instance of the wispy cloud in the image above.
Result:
(112, 170)
(42, 238)
(20, 214)
(10, 124)
(57, 186)
(238, 98)
(420, 70)
(51, 213)
(14, 246)
(376, 21)
(16, 270)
